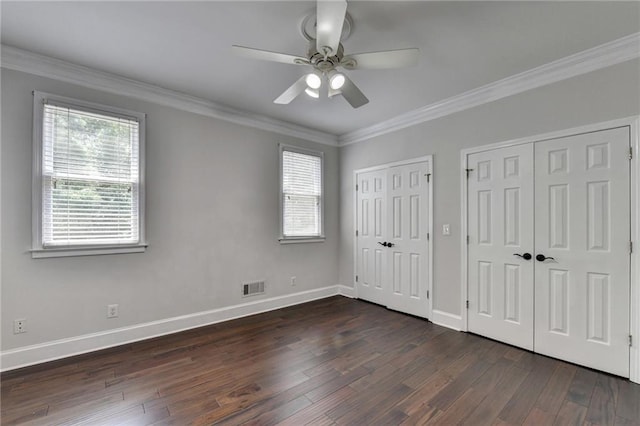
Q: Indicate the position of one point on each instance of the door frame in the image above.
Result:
(633, 124)
(429, 160)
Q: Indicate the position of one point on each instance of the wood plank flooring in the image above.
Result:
(334, 361)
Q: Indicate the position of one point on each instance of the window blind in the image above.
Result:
(302, 194)
(90, 172)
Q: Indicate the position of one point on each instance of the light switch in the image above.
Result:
(446, 229)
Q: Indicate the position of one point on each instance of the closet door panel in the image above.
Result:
(408, 203)
(392, 249)
(500, 223)
(583, 228)
(371, 256)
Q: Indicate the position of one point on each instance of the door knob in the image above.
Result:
(542, 258)
(386, 244)
(525, 256)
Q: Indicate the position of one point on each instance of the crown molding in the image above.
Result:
(22, 60)
(605, 55)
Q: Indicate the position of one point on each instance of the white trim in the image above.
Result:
(347, 291)
(38, 250)
(634, 364)
(605, 55)
(354, 183)
(431, 238)
(57, 349)
(445, 319)
(86, 251)
(464, 232)
(33, 63)
(429, 160)
(634, 125)
(301, 240)
(611, 124)
(305, 238)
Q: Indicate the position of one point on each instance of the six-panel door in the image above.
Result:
(578, 232)
(408, 204)
(500, 202)
(582, 222)
(392, 210)
(371, 256)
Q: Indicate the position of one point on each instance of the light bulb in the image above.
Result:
(336, 81)
(313, 81)
(314, 93)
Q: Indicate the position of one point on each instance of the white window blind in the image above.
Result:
(301, 194)
(90, 178)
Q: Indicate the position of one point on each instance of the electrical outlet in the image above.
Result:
(112, 311)
(446, 229)
(19, 326)
(293, 281)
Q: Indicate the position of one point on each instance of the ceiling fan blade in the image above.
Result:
(352, 94)
(292, 92)
(266, 55)
(380, 60)
(329, 20)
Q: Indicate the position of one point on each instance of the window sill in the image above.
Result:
(301, 240)
(86, 251)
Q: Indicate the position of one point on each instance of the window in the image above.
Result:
(301, 195)
(88, 178)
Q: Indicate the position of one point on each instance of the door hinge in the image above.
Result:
(356, 232)
(630, 340)
(356, 186)
(427, 294)
(356, 278)
(630, 153)
(428, 236)
(468, 171)
(630, 247)
(468, 239)
(467, 304)
(428, 175)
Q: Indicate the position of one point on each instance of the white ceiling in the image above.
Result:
(186, 47)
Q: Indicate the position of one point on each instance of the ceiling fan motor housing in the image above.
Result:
(322, 63)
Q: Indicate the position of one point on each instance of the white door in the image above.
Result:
(371, 233)
(392, 257)
(407, 229)
(500, 268)
(583, 225)
(580, 223)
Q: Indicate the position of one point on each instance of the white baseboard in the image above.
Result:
(346, 291)
(446, 319)
(57, 349)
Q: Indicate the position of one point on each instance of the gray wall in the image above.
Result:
(212, 223)
(603, 95)
(212, 206)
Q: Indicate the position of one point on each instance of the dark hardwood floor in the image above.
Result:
(333, 361)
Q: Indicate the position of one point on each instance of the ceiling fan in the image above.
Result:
(326, 54)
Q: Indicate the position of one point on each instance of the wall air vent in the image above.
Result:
(252, 288)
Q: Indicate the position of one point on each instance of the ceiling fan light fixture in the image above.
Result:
(313, 80)
(314, 93)
(336, 80)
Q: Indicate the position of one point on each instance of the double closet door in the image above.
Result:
(549, 247)
(392, 254)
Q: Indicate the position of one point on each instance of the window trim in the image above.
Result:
(38, 250)
(303, 238)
